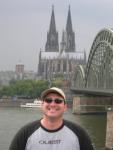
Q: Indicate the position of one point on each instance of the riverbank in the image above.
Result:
(18, 102)
(13, 103)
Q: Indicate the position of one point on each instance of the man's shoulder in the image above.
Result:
(72, 124)
(84, 139)
(34, 124)
(20, 139)
(29, 128)
(76, 128)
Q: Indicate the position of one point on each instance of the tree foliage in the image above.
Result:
(28, 88)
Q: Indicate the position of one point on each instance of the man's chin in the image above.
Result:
(54, 116)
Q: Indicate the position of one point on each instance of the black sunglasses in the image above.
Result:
(56, 100)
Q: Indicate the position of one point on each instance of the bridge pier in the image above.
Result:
(109, 130)
(83, 104)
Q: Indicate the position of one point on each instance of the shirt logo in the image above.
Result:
(50, 141)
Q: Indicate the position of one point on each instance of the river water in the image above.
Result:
(12, 119)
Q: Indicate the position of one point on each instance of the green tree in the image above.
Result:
(26, 88)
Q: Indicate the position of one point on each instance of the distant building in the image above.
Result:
(19, 74)
(19, 71)
(22, 74)
(29, 75)
(59, 59)
(6, 77)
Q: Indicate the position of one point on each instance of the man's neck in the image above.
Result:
(51, 124)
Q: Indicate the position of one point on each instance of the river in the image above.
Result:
(11, 119)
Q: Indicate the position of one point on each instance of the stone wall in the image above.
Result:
(91, 104)
(109, 130)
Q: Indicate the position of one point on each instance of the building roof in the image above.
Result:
(56, 55)
(49, 55)
(74, 55)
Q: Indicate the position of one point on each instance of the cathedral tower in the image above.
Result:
(52, 36)
(69, 35)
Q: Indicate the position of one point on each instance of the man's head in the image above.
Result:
(53, 90)
(54, 103)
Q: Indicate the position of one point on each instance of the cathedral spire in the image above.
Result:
(70, 35)
(52, 44)
(69, 22)
(52, 28)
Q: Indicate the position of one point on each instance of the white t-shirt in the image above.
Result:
(64, 139)
(34, 136)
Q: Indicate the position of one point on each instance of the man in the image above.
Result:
(52, 132)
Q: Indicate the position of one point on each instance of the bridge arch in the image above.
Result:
(78, 77)
(99, 68)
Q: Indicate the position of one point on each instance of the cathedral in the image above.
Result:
(60, 59)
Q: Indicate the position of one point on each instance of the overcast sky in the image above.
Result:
(24, 25)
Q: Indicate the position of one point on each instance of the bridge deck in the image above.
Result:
(90, 91)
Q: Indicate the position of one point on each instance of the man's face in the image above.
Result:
(53, 106)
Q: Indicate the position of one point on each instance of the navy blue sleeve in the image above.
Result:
(84, 139)
(20, 139)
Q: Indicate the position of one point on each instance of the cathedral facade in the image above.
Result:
(60, 58)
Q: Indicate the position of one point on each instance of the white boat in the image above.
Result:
(36, 103)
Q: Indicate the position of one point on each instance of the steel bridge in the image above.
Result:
(97, 75)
